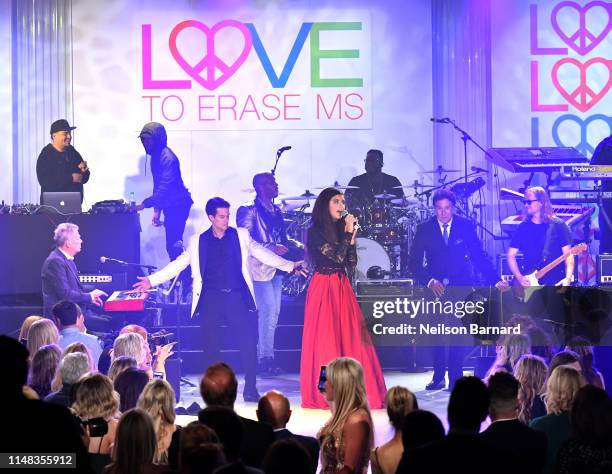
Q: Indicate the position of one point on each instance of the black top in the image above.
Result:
(168, 187)
(62, 397)
(530, 238)
(54, 170)
(331, 256)
(369, 186)
(455, 263)
(603, 156)
(218, 274)
(310, 444)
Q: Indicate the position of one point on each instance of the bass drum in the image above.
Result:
(370, 254)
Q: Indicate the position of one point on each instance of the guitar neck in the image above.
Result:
(550, 266)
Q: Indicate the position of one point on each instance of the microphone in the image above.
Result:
(478, 170)
(113, 260)
(283, 149)
(346, 213)
(440, 120)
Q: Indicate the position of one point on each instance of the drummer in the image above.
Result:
(373, 183)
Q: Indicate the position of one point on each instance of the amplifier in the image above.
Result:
(391, 287)
(604, 269)
(502, 266)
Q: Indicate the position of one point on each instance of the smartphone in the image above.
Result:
(158, 375)
(322, 379)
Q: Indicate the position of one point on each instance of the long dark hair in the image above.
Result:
(321, 218)
(135, 443)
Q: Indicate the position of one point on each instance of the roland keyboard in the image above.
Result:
(575, 196)
(603, 172)
(571, 215)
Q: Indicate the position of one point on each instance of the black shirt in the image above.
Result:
(368, 187)
(331, 256)
(220, 273)
(530, 238)
(54, 170)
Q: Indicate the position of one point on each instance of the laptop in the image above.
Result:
(63, 203)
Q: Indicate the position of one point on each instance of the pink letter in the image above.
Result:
(533, 27)
(535, 105)
(163, 109)
(147, 67)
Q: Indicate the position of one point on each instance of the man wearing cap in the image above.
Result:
(60, 168)
(169, 192)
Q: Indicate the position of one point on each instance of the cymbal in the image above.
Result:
(439, 169)
(414, 185)
(405, 201)
(302, 197)
(339, 187)
(385, 196)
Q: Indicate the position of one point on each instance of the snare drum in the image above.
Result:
(369, 254)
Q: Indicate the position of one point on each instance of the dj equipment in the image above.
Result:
(62, 202)
(116, 206)
(586, 171)
(571, 215)
(527, 160)
(130, 300)
(604, 269)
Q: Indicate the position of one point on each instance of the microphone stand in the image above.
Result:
(279, 152)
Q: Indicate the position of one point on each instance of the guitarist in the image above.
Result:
(541, 237)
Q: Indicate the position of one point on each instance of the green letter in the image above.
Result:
(317, 54)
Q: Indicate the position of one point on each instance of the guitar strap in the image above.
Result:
(547, 243)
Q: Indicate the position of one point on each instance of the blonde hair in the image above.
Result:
(25, 326)
(530, 370)
(158, 400)
(41, 333)
(95, 397)
(130, 344)
(72, 348)
(542, 196)
(399, 401)
(561, 388)
(119, 365)
(512, 348)
(345, 375)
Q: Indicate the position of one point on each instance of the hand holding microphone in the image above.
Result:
(350, 224)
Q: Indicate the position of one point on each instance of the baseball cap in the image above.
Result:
(61, 125)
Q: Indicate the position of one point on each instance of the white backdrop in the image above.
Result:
(389, 109)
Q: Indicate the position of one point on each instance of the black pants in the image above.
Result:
(451, 357)
(218, 308)
(175, 218)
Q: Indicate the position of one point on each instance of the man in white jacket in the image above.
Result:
(222, 286)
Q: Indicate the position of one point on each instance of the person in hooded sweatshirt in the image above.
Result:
(170, 195)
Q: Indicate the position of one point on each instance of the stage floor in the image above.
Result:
(308, 422)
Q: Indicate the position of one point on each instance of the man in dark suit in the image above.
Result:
(446, 252)
(462, 449)
(506, 432)
(60, 277)
(223, 286)
(274, 409)
(219, 388)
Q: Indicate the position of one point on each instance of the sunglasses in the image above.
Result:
(528, 202)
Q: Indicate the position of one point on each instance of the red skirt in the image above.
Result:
(334, 327)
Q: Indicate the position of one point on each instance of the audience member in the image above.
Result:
(541, 343)
(41, 333)
(287, 456)
(134, 448)
(509, 349)
(129, 384)
(589, 447)
(530, 370)
(568, 358)
(71, 322)
(95, 398)
(506, 432)
(200, 450)
(74, 348)
(119, 365)
(420, 427)
(132, 344)
(158, 400)
(399, 402)
(274, 409)
(32, 426)
(219, 388)
(25, 327)
(230, 430)
(462, 450)
(584, 349)
(154, 362)
(348, 436)
(71, 368)
(44, 365)
(561, 388)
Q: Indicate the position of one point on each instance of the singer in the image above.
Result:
(333, 323)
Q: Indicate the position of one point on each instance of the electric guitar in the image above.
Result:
(534, 277)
